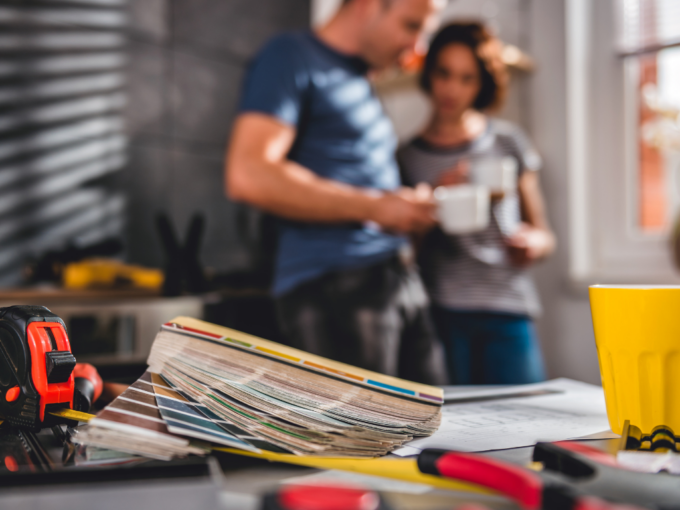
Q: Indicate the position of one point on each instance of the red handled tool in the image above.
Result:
(38, 372)
(521, 485)
(575, 477)
(320, 497)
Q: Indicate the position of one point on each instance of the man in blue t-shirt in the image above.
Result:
(313, 146)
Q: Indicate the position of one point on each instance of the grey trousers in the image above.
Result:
(374, 317)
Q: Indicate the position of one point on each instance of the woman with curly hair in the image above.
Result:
(483, 297)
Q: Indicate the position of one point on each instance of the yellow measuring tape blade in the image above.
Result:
(405, 470)
(70, 414)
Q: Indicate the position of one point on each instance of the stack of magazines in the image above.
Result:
(212, 385)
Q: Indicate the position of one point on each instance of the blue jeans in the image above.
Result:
(489, 347)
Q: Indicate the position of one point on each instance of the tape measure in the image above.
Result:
(39, 375)
(70, 414)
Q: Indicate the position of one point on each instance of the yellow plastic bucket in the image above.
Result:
(637, 333)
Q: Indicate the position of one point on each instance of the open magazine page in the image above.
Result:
(133, 424)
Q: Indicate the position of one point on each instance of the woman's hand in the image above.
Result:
(529, 244)
(458, 174)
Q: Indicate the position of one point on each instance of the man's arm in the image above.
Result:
(258, 172)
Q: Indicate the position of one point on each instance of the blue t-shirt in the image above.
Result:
(342, 134)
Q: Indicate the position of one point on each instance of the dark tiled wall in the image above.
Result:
(187, 62)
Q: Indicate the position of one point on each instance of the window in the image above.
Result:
(623, 100)
(650, 44)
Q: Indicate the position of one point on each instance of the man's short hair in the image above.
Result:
(487, 51)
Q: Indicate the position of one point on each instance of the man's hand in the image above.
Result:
(529, 244)
(407, 210)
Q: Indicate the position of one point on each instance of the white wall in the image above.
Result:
(322, 10)
(566, 327)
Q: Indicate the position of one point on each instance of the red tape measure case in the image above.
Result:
(36, 365)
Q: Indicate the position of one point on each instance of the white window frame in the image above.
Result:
(603, 158)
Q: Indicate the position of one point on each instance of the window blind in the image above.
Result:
(62, 76)
(648, 25)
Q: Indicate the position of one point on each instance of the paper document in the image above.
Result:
(521, 416)
(456, 394)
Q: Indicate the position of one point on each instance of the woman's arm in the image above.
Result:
(535, 239)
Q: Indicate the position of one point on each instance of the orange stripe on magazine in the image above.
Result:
(345, 374)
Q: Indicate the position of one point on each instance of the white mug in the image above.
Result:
(497, 174)
(463, 208)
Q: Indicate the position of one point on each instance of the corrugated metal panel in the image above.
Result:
(62, 78)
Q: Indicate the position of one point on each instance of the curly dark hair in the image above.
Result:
(487, 51)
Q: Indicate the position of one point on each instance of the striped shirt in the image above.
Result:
(473, 271)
